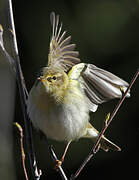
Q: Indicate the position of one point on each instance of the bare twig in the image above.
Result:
(60, 170)
(23, 97)
(108, 120)
(22, 148)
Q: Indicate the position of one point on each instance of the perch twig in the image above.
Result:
(60, 170)
(108, 120)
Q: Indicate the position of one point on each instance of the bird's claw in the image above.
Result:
(58, 163)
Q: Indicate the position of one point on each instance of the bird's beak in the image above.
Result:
(41, 78)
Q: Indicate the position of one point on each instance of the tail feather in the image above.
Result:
(105, 144)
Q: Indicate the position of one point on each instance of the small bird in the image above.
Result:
(67, 90)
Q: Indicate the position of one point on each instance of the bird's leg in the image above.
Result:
(59, 162)
(66, 149)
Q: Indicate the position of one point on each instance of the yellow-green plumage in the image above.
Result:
(56, 108)
(60, 109)
(60, 101)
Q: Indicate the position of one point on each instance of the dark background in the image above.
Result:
(106, 33)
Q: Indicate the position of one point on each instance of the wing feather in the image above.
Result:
(98, 85)
(102, 84)
(61, 53)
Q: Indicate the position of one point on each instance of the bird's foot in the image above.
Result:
(58, 163)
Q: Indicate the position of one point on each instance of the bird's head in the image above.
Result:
(54, 81)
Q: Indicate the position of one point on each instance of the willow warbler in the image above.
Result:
(67, 90)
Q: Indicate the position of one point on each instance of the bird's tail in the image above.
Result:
(105, 144)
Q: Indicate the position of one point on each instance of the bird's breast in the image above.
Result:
(60, 121)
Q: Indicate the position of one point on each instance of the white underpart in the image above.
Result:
(61, 122)
(91, 133)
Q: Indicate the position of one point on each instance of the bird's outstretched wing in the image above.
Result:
(98, 85)
(61, 53)
(101, 85)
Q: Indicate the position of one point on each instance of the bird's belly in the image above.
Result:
(62, 123)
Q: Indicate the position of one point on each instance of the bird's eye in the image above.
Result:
(51, 78)
(48, 78)
(54, 77)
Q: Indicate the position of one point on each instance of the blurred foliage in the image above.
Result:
(106, 33)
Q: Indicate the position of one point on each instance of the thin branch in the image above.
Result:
(108, 120)
(13, 27)
(23, 98)
(22, 148)
(54, 158)
(60, 170)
